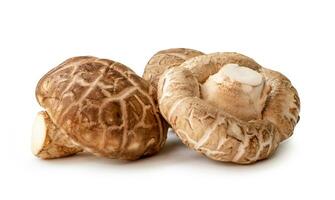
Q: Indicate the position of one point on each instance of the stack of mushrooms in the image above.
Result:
(223, 105)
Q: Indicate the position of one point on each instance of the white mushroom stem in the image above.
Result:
(48, 141)
(238, 90)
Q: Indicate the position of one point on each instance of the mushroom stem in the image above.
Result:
(48, 141)
(238, 90)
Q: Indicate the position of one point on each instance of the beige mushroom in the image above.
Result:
(48, 141)
(166, 59)
(103, 107)
(228, 107)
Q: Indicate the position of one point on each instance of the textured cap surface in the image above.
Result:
(104, 107)
(166, 59)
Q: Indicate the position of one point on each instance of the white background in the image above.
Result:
(293, 37)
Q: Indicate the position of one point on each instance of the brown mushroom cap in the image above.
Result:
(283, 103)
(213, 131)
(104, 107)
(166, 59)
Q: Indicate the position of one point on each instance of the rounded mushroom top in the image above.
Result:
(104, 107)
(166, 59)
(228, 107)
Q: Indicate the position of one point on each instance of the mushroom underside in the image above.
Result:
(205, 109)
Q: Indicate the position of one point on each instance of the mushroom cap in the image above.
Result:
(283, 103)
(211, 130)
(166, 59)
(104, 107)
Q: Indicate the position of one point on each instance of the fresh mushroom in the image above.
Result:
(228, 107)
(103, 107)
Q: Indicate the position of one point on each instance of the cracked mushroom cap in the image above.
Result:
(166, 59)
(104, 107)
(228, 107)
